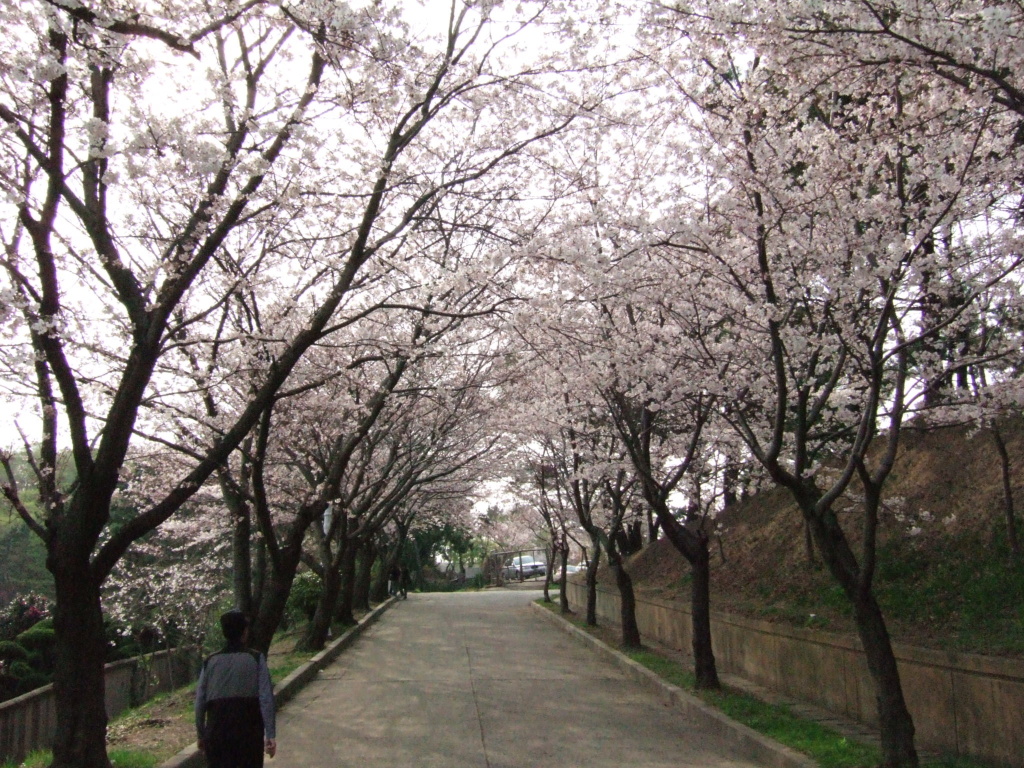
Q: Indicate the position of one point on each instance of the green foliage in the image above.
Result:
(20, 669)
(972, 592)
(22, 560)
(829, 748)
(23, 613)
(282, 665)
(41, 637)
(39, 641)
(304, 595)
(452, 542)
(119, 758)
(32, 681)
(442, 586)
(39, 759)
(12, 651)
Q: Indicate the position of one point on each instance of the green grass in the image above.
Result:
(829, 748)
(826, 746)
(284, 665)
(971, 593)
(961, 594)
(119, 758)
(33, 760)
(130, 758)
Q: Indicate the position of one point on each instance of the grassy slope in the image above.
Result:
(952, 585)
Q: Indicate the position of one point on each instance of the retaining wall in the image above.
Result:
(28, 722)
(961, 703)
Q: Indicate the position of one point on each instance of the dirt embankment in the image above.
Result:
(945, 578)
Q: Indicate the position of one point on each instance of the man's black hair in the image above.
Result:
(233, 624)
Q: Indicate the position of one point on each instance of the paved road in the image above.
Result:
(475, 680)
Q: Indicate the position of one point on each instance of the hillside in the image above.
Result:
(945, 577)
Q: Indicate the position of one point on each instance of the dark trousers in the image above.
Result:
(234, 734)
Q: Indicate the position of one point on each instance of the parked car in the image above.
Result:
(524, 567)
(570, 569)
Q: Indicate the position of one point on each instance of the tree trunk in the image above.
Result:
(1011, 518)
(343, 612)
(550, 556)
(364, 571)
(809, 544)
(653, 525)
(595, 561)
(627, 602)
(259, 574)
(563, 600)
(241, 559)
(315, 637)
(80, 648)
(896, 727)
(694, 547)
(730, 482)
(704, 667)
(273, 601)
(379, 590)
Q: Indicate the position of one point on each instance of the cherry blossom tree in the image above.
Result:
(130, 219)
(841, 195)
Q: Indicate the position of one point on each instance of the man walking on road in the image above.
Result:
(235, 718)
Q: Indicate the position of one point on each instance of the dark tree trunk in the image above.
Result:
(809, 544)
(653, 526)
(694, 547)
(627, 602)
(317, 631)
(379, 590)
(550, 556)
(730, 481)
(595, 562)
(343, 612)
(241, 559)
(704, 667)
(563, 600)
(1008, 510)
(364, 571)
(896, 727)
(259, 573)
(80, 648)
(274, 600)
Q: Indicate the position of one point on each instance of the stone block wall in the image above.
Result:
(28, 722)
(961, 703)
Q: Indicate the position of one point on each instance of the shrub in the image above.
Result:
(303, 597)
(32, 681)
(39, 642)
(12, 651)
(41, 637)
(20, 670)
(22, 613)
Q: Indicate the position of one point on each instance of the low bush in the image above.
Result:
(39, 642)
(22, 613)
(19, 670)
(12, 651)
(302, 599)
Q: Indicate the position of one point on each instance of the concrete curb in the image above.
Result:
(751, 744)
(191, 757)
